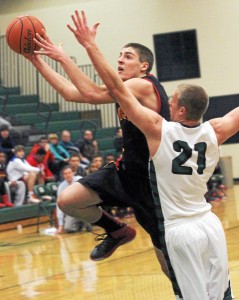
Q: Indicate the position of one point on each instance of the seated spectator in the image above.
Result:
(67, 223)
(76, 166)
(118, 142)
(19, 169)
(49, 159)
(98, 160)
(87, 146)
(6, 142)
(109, 157)
(216, 190)
(43, 143)
(60, 154)
(4, 201)
(95, 165)
(15, 189)
(67, 143)
(37, 160)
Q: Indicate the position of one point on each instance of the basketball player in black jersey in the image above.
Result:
(127, 182)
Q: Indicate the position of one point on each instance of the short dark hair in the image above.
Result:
(4, 127)
(41, 151)
(194, 98)
(145, 54)
(109, 154)
(74, 154)
(42, 138)
(65, 168)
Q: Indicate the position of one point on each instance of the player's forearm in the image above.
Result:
(63, 86)
(106, 72)
(89, 90)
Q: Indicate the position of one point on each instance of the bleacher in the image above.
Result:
(29, 114)
(27, 110)
(34, 109)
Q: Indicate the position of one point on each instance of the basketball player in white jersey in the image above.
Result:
(183, 155)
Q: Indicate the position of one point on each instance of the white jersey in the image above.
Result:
(180, 163)
(18, 167)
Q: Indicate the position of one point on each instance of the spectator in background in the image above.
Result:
(4, 201)
(6, 142)
(98, 160)
(87, 146)
(49, 159)
(109, 157)
(37, 160)
(15, 189)
(96, 164)
(118, 142)
(66, 223)
(67, 143)
(76, 166)
(19, 169)
(60, 154)
(43, 143)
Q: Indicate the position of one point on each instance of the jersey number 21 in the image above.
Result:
(185, 154)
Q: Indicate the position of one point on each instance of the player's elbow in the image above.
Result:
(90, 97)
(69, 95)
(93, 97)
(73, 97)
(116, 92)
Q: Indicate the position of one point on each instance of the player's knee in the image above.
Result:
(62, 201)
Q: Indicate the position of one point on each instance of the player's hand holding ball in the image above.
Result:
(21, 32)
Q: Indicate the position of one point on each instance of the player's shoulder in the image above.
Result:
(138, 84)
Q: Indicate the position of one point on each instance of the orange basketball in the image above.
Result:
(20, 33)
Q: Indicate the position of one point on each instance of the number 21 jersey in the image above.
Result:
(184, 162)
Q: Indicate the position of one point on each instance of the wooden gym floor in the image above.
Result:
(44, 266)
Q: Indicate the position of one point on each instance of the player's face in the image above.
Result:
(129, 65)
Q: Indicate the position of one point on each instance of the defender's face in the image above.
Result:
(129, 65)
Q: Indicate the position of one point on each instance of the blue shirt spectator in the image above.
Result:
(59, 152)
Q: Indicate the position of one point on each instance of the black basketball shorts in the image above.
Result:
(126, 186)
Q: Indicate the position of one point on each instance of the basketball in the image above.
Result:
(20, 33)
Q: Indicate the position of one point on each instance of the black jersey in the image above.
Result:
(127, 183)
(135, 148)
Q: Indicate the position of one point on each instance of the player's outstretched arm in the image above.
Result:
(144, 118)
(88, 91)
(63, 86)
(226, 126)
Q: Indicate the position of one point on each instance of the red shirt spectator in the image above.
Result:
(38, 160)
(43, 143)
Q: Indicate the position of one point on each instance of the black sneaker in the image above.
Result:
(110, 242)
